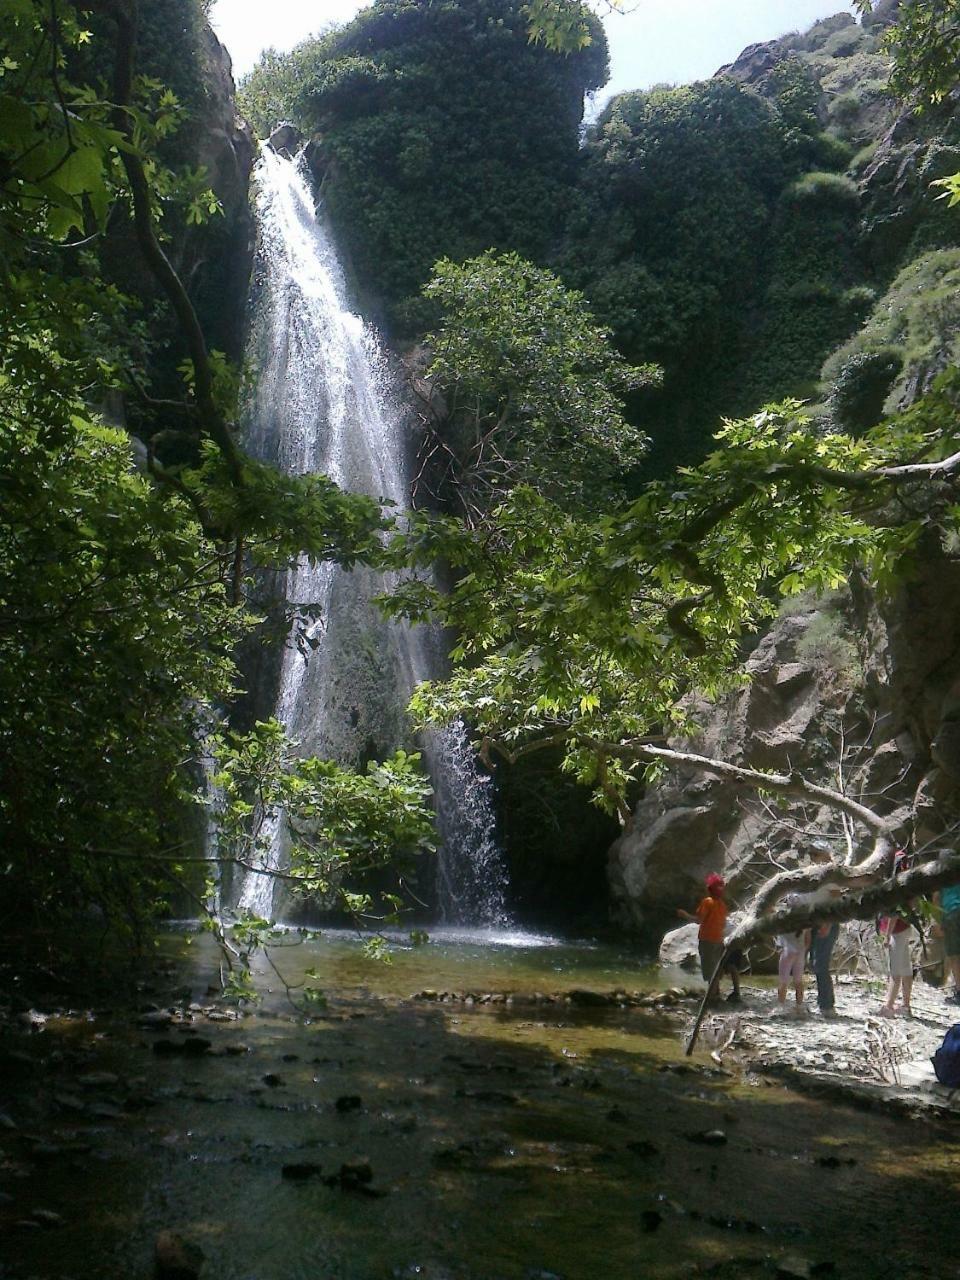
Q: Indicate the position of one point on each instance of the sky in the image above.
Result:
(657, 42)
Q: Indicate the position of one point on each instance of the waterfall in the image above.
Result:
(323, 400)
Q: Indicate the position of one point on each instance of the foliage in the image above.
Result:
(337, 824)
(827, 645)
(122, 562)
(667, 236)
(532, 390)
(445, 132)
(586, 634)
(925, 42)
(917, 317)
(862, 386)
(811, 303)
(114, 626)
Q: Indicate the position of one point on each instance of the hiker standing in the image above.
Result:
(711, 915)
(948, 900)
(824, 936)
(897, 933)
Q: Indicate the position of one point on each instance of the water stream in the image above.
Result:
(325, 399)
(533, 1141)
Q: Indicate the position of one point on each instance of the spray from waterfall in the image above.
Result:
(323, 400)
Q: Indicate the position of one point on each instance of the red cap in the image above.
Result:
(714, 881)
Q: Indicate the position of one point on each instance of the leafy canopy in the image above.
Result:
(532, 390)
(586, 633)
(124, 562)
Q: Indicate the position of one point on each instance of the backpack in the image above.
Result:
(946, 1061)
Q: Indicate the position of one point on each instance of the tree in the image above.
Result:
(443, 131)
(124, 564)
(586, 633)
(530, 390)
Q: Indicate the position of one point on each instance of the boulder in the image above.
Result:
(285, 140)
(679, 948)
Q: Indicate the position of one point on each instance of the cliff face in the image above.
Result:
(213, 258)
(855, 693)
(217, 260)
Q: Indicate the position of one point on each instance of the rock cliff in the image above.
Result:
(858, 693)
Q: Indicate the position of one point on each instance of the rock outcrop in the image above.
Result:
(854, 693)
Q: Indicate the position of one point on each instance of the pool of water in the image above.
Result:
(504, 1143)
(458, 960)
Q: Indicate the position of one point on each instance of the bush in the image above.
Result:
(919, 315)
(845, 43)
(862, 387)
(844, 108)
(827, 647)
(826, 189)
(827, 151)
(819, 35)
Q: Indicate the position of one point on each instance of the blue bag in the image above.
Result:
(946, 1061)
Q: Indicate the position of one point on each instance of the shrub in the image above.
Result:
(845, 43)
(827, 151)
(919, 314)
(862, 387)
(844, 108)
(827, 647)
(827, 189)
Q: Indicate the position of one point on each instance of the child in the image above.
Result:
(898, 933)
(793, 953)
(711, 915)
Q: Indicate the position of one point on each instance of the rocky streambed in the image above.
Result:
(556, 1132)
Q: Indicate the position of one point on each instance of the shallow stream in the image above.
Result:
(505, 1141)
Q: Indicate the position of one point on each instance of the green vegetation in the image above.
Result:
(584, 634)
(727, 233)
(916, 324)
(123, 588)
(531, 389)
(445, 132)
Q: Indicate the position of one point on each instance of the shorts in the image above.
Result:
(901, 959)
(791, 966)
(951, 934)
(710, 953)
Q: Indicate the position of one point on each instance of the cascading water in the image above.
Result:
(323, 402)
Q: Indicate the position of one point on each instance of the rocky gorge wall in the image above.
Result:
(857, 693)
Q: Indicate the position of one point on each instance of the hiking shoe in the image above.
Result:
(733, 998)
(827, 1013)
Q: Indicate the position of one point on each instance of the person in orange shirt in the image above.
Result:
(711, 915)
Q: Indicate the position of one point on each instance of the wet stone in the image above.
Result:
(98, 1080)
(300, 1172)
(47, 1217)
(176, 1258)
(708, 1137)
